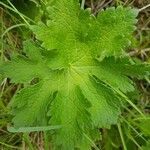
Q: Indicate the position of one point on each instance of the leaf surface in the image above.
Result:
(79, 67)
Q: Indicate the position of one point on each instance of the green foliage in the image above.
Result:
(147, 146)
(106, 35)
(144, 125)
(81, 69)
(29, 8)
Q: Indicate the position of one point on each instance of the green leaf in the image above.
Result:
(23, 69)
(114, 29)
(30, 105)
(108, 34)
(77, 82)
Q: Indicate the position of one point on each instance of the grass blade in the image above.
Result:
(33, 129)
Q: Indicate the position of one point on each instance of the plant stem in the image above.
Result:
(121, 136)
(12, 27)
(82, 4)
(32, 129)
(144, 7)
(27, 140)
(46, 141)
(9, 146)
(18, 13)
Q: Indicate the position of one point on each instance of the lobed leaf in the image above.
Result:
(80, 67)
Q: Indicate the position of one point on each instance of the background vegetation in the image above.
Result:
(132, 132)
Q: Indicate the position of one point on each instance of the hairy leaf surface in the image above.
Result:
(80, 68)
